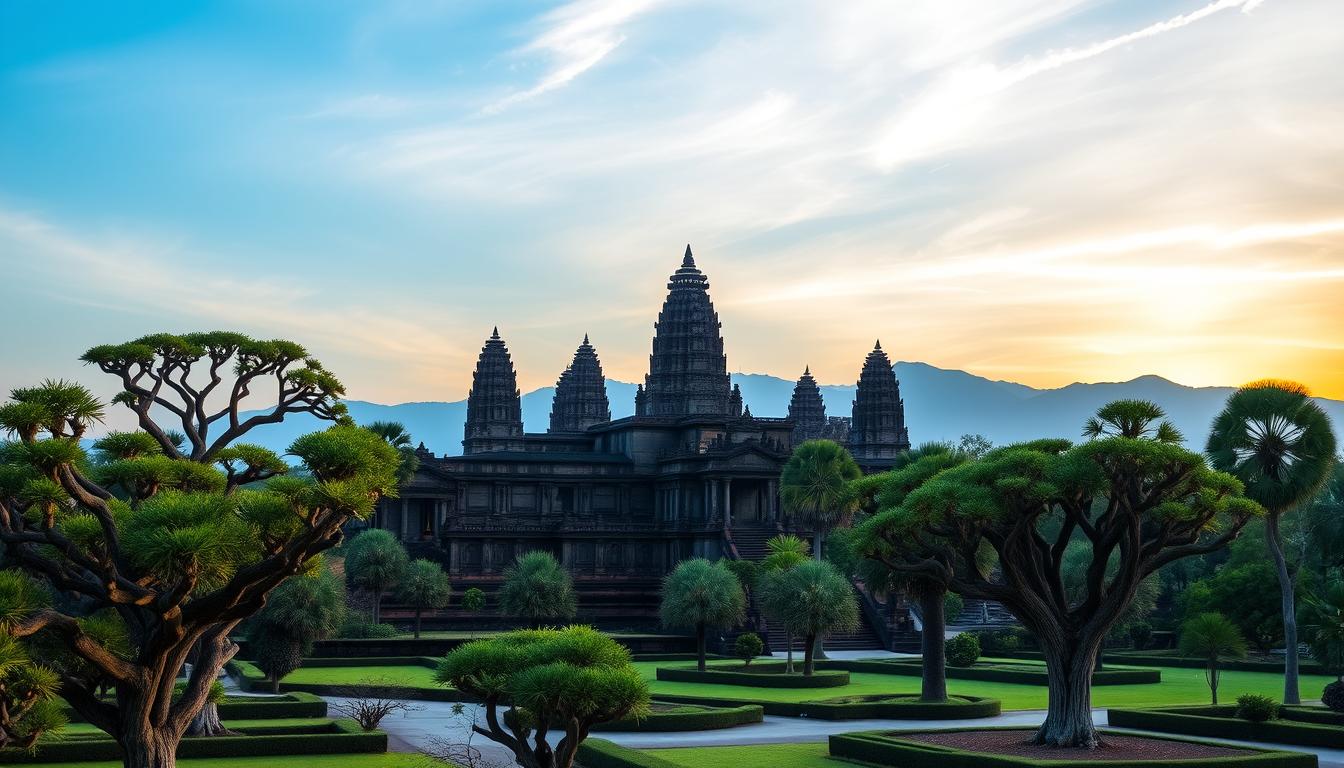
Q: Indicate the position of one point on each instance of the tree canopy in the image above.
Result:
(537, 588)
(814, 487)
(375, 561)
(701, 595)
(812, 599)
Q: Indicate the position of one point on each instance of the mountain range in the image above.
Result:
(940, 404)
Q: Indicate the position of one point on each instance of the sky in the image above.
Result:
(1043, 191)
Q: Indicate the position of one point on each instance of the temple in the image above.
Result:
(693, 473)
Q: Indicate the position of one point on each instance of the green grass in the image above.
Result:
(1178, 686)
(774, 755)
(84, 729)
(385, 760)
(407, 675)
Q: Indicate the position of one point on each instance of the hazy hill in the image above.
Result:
(939, 405)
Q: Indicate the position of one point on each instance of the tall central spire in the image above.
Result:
(494, 412)
(688, 372)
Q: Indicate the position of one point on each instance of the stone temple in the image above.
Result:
(619, 502)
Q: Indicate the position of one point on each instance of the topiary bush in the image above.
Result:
(1255, 708)
(963, 650)
(748, 646)
(1333, 696)
(359, 629)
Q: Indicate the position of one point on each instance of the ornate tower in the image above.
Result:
(878, 427)
(580, 393)
(806, 409)
(688, 372)
(494, 411)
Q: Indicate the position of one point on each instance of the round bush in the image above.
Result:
(359, 630)
(748, 646)
(963, 650)
(1257, 709)
(1333, 696)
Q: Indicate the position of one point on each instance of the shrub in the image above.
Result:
(357, 629)
(370, 711)
(1006, 640)
(1140, 634)
(748, 646)
(953, 605)
(538, 590)
(1255, 708)
(473, 600)
(1333, 696)
(963, 650)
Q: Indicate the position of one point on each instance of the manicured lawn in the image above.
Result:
(1178, 686)
(408, 675)
(774, 755)
(84, 729)
(386, 760)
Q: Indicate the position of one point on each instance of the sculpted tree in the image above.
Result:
(1277, 441)
(537, 589)
(702, 595)
(1211, 637)
(1131, 493)
(814, 487)
(375, 561)
(812, 599)
(785, 551)
(157, 554)
(569, 679)
(303, 610)
(424, 585)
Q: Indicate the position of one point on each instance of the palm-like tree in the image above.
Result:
(1324, 619)
(815, 487)
(397, 436)
(1210, 636)
(783, 552)
(701, 595)
(1278, 442)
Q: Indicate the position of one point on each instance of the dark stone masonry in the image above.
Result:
(620, 502)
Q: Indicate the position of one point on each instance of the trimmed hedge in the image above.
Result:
(287, 706)
(1007, 673)
(250, 678)
(878, 706)
(339, 737)
(1183, 662)
(768, 676)
(885, 748)
(1221, 722)
(1316, 715)
(600, 753)
(705, 718)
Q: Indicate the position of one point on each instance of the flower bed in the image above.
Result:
(1008, 748)
(1296, 725)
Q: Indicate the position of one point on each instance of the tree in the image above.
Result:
(1238, 592)
(301, 611)
(1274, 438)
(784, 552)
(424, 585)
(1210, 636)
(1131, 489)
(974, 445)
(1324, 617)
(813, 599)
(29, 706)
(157, 546)
(396, 435)
(814, 487)
(747, 647)
(701, 595)
(537, 590)
(571, 678)
(375, 561)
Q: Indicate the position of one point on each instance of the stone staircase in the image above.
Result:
(750, 541)
(981, 613)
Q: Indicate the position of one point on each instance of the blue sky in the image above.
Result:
(1043, 191)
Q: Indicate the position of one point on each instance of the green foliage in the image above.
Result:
(1210, 636)
(538, 590)
(1255, 708)
(572, 676)
(301, 611)
(1009, 639)
(814, 485)
(700, 593)
(748, 646)
(1324, 623)
(1276, 440)
(398, 437)
(473, 600)
(28, 696)
(357, 628)
(784, 551)
(953, 605)
(1246, 596)
(812, 599)
(748, 572)
(1133, 419)
(375, 560)
(963, 650)
(424, 585)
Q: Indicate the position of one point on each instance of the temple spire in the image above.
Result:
(688, 372)
(688, 260)
(494, 409)
(580, 393)
(878, 432)
(806, 409)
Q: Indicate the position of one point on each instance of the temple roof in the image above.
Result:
(878, 428)
(494, 409)
(580, 393)
(807, 409)
(688, 372)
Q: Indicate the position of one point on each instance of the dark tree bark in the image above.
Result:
(933, 648)
(417, 622)
(809, 655)
(700, 646)
(1291, 689)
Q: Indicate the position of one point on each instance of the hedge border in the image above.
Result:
(285, 706)
(600, 753)
(713, 718)
(890, 749)
(999, 673)
(974, 707)
(822, 678)
(342, 737)
(1181, 662)
(250, 678)
(1313, 715)
(1221, 722)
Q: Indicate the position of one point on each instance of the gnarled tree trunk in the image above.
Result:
(1069, 662)
(932, 645)
(810, 655)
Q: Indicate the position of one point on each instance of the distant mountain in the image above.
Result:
(940, 404)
